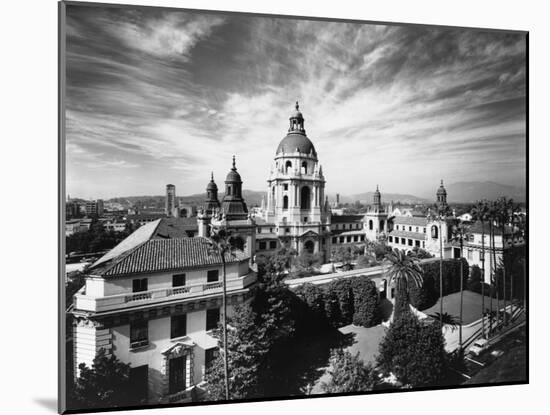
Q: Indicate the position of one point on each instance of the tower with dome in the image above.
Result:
(296, 192)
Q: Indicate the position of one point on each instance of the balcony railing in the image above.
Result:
(85, 302)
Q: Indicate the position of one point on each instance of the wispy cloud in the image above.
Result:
(170, 96)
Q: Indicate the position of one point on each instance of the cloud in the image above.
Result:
(179, 93)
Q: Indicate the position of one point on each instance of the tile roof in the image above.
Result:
(404, 234)
(410, 220)
(157, 255)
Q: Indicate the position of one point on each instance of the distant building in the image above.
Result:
(170, 208)
(94, 208)
(73, 226)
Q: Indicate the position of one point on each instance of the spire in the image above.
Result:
(211, 176)
(234, 168)
(297, 106)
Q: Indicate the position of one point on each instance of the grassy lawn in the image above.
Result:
(471, 310)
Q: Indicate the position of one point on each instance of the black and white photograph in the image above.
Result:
(265, 207)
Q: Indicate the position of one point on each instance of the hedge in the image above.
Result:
(427, 295)
(342, 302)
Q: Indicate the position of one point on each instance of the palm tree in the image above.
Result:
(504, 213)
(493, 212)
(223, 243)
(450, 321)
(460, 234)
(479, 213)
(441, 212)
(404, 272)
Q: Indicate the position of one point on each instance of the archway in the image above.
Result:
(304, 167)
(305, 196)
(288, 166)
(434, 232)
(309, 247)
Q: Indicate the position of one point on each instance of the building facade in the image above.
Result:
(156, 312)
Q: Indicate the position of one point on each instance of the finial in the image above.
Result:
(297, 106)
(211, 176)
(234, 162)
(441, 182)
(377, 188)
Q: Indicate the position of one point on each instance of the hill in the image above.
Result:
(472, 191)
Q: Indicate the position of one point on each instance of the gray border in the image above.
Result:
(62, 306)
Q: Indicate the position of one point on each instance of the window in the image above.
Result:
(417, 229)
(370, 225)
(342, 239)
(434, 231)
(139, 335)
(355, 238)
(348, 239)
(139, 285)
(397, 227)
(334, 239)
(287, 230)
(285, 186)
(410, 228)
(285, 202)
(210, 355)
(423, 244)
(362, 237)
(262, 246)
(178, 280)
(272, 244)
(212, 318)
(470, 253)
(305, 219)
(288, 166)
(410, 242)
(212, 275)
(417, 243)
(403, 241)
(390, 238)
(176, 375)
(270, 230)
(178, 326)
(424, 229)
(259, 230)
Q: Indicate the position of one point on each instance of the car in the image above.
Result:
(478, 346)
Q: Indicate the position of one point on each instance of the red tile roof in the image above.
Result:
(157, 255)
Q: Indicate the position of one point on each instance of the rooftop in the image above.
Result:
(157, 255)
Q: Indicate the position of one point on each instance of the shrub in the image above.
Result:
(343, 291)
(348, 373)
(365, 302)
(413, 351)
(427, 295)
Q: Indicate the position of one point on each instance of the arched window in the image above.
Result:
(285, 202)
(229, 190)
(273, 196)
(381, 225)
(371, 225)
(305, 196)
(304, 167)
(288, 166)
(435, 231)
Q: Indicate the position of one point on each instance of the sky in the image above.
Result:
(161, 96)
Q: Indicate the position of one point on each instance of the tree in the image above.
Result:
(404, 273)
(440, 213)
(247, 346)
(348, 373)
(448, 320)
(480, 213)
(104, 385)
(421, 253)
(460, 234)
(413, 351)
(222, 242)
(307, 262)
(276, 267)
(343, 254)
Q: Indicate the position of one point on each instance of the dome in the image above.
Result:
(233, 176)
(211, 185)
(294, 141)
(441, 190)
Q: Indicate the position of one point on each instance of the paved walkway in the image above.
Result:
(366, 341)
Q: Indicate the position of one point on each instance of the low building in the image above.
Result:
(153, 301)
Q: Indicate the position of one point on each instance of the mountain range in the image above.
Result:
(464, 192)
